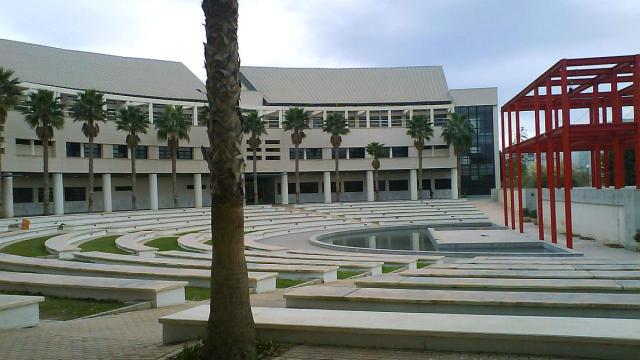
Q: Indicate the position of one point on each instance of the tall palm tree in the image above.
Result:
(420, 129)
(10, 91)
(172, 127)
(132, 120)
(254, 125)
(296, 120)
(89, 109)
(44, 113)
(376, 150)
(459, 133)
(231, 330)
(336, 125)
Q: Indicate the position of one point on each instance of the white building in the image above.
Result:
(377, 102)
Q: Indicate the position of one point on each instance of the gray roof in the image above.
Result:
(475, 96)
(107, 73)
(399, 85)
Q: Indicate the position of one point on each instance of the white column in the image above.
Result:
(415, 241)
(413, 184)
(151, 112)
(58, 194)
(388, 118)
(284, 188)
(371, 195)
(197, 187)
(372, 241)
(454, 183)
(326, 180)
(153, 191)
(368, 118)
(280, 118)
(7, 195)
(106, 193)
(195, 116)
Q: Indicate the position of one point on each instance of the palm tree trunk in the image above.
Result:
(134, 189)
(297, 147)
(90, 205)
(376, 184)
(255, 176)
(337, 160)
(45, 173)
(174, 175)
(420, 174)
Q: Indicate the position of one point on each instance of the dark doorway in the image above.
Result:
(266, 193)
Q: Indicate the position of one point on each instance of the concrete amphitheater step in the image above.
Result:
(528, 274)
(18, 311)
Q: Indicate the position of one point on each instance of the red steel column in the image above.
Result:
(568, 181)
(607, 168)
(519, 160)
(618, 151)
(636, 114)
(550, 175)
(597, 173)
(536, 108)
(558, 172)
(503, 174)
(511, 173)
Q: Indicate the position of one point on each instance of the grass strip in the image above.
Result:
(390, 268)
(282, 283)
(344, 274)
(33, 247)
(104, 244)
(166, 243)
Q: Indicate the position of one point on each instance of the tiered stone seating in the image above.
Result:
(17, 311)
(528, 274)
(65, 245)
(10, 237)
(158, 293)
(134, 243)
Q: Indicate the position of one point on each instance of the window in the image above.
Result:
(316, 122)
(97, 150)
(441, 147)
(22, 195)
(440, 117)
(120, 152)
(378, 119)
(185, 153)
(73, 149)
(164, 153)
(385, 152)
(272, 142)
(342, 153)
(23, 142)
(41, 194)
(442, 184)
(356, 153)
(273, 122)
(273, 157)
(250, 157)
(97, 189)
(308, 188)
(314, 153)
(142, 152)
(192, 187)
(400, 151)
(292, 153)
(250, 149)
(382, 185)
(426, 184)
(397, 118)
(123, 188)
(272, 149)
(398, 185)
(74, 194)
(353, 186)
(39, 143)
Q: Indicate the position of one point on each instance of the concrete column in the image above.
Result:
(151, 112)
(368, 118)
(153, 191)
(413, 184)
(326, 180)
(58, 194)
(7, 195)
(197, 187)
(372, 241)
(454, 183)
(280, 118)
(284, 188)
(195, 116)
(415, 241)
(106, 193)
(371, 195)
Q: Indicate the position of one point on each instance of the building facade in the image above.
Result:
(376, 101)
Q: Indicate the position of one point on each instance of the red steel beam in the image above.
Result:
(511, 174)
(568, 181)
(550, 176)
(538, 168)
(519, 160)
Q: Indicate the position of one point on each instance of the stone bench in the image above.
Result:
(134, 243)
(65, 245)
(556, 266)
(195, 241)
(373, 268)
(547, 261)
(18, 311)
(615, 339)
(532, 274)
(391, 259)
(159, 293)
(436, 223)
(12, 237)
(177, 223)
(465, 302)
(502, 284)
(409, 263)
(258, 282)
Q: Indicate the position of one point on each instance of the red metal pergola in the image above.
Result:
(601, 85)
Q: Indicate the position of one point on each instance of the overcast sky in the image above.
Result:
(480, 43)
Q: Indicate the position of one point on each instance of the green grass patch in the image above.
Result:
(104, 244)
(197, 293)
(166, 243)
(390, 268)
(422, 264)
(31, 247)
(60, 308)
(344, 274)
(285, 283)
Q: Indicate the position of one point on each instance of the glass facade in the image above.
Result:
(477, 168)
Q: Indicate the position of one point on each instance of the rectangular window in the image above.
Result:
(382, 185)
(22, 195)
(23, 142)
(441, 147)
(308, 188)
(385, 152)
(292, 153)
(398, 185)
(250, 157)
(142, 152)
(41, 194)
(164, 153)
(97, 189)
(272, 150)
(442, 184)
(342, 153)
(356, 153)
(353, 186)
(74, 194)
(97, 150)
(272, 142)
(273, 122)
(426, 184)
(400, 151)
(316, 122)
(273, 157)
(397, 118)
(73, 149)
(191, 187)
(314, 153)
(120, 152)
(185, 153)
(123, 188)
